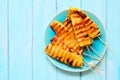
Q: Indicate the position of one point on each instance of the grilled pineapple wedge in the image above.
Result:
(83, 23)
(64, 56)
(65, 36)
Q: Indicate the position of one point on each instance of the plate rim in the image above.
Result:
(49, 58)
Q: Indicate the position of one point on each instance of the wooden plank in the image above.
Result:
(3, 40)
(113, 13)
(43, 11)
(63, 5)
(99, 9)
(20, 39)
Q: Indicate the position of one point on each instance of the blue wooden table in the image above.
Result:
(22, 25)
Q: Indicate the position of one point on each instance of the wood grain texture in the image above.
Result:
(43, 11)
(20, 40)
(3, 40)
(99, 9)
(113, 18)
(63, 5)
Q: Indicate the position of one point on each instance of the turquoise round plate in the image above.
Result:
(97, 44)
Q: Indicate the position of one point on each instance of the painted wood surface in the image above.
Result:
(20, 40)
(43, 11)
(113, 27)
(22, 26)
(4, 40)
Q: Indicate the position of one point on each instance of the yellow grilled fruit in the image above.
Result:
(64, 56)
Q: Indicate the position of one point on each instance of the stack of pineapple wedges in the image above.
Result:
(72, 37)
